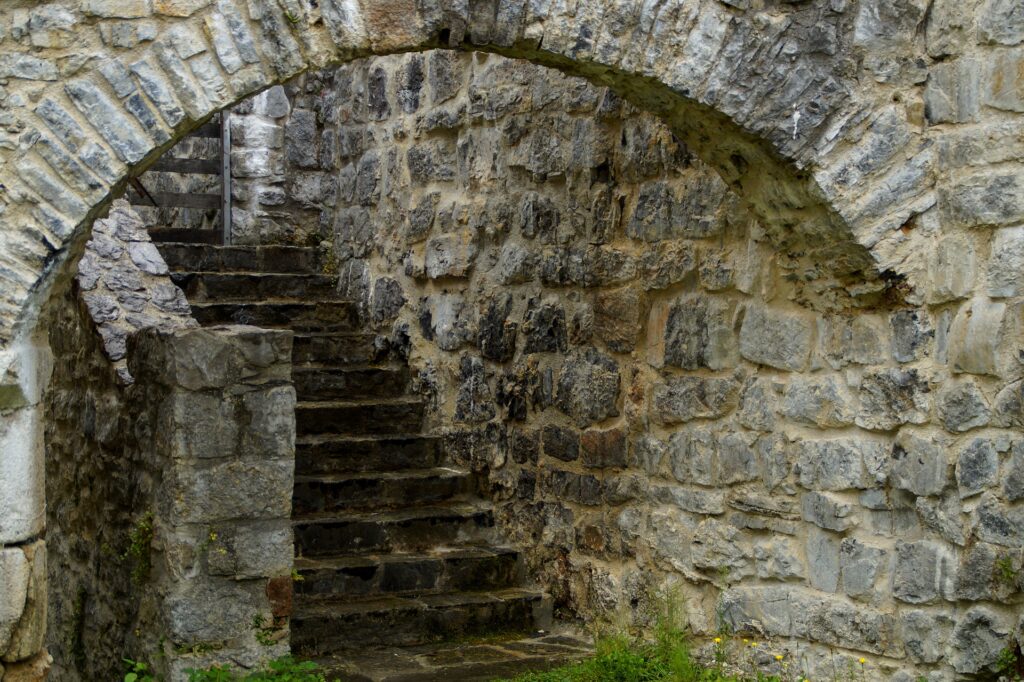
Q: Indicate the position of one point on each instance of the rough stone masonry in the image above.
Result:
(827, 450)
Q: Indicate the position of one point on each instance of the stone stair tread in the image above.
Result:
(455, 508)
(323, 438)
(360, 402)
(449, 472)
(342, 605)
(436, 553)
(465, 661)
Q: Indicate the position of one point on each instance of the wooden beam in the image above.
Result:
(171, 164)
(176, 200)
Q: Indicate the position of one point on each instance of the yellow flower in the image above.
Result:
(718, 640)
(778, 657)
(753, 644)
(862, 661)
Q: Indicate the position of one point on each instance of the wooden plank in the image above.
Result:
(209, 129)
(176, 200)
(171, 164)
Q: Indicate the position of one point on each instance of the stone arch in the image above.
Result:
(769, 98)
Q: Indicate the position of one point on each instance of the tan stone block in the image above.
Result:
(121, 9)
(29, 634)
(179, 8)
(35, 669)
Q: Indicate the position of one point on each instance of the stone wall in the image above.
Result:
(666, 398)
(168, 480)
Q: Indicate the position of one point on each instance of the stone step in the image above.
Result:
(379, 417)
(335, 348)
(440, 570)
(208, 258)
(321, 625)
(222, 287)
(186, 235)
(378, 490)
(496, 658)
(332, 315)
(351, 383)
(410, 530)
(319, 454)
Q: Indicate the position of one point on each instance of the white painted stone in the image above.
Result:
(22, 501)
(974, 336)
(14, 579)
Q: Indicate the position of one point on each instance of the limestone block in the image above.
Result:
(121, 9)
(961, 406)
(983, 573)
(952, 269)
(300, 139)
(861, 565)
(776, 338)
(822, 551)
(977, 467)
(51, 26)
(984, 198)
(699, 333)
(22, 498)
(1004, 83)
(924, 571)
(919, 464)
(1000, 524)
(686, 398)
(858, 340)
(450, 255)
(256, 132)
(179, 8)
(825, 403)
(617, 319)
(757, 409)
(887, 24)
(892, 397)
(1001, 21)
(213, 609)
(778, 558)
(588, 387)
(841, 464)
(912, 335)
(950, 27)
(827, 511)
(977, 640)
(1006, 265)
(952, 94)
(15, 573)
(717, 545)
(696, 501)
(1013, 474)
(29, 634)
(229, 490)
(925, 634)
(251, 550)
(975, 336)
(268, 423)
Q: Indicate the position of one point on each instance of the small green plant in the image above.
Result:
(296, 576)
(291, 17)
(137, 672)
(267, 633)
(1010, 664)
(140, 542)
(1005, 571)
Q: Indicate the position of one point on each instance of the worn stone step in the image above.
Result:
(186, 235)
(320, 625)
(222, 287)
(319, 454)
(378, 490)
(446, 569)
(462, 661)
(398, 415)
(416, 529)
(331, 315)
(209, 258)
(337, 348)
(350, 383)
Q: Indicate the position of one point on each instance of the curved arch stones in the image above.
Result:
(770, 97)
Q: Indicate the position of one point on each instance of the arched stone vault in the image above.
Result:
(769, 97)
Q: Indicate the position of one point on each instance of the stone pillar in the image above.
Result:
(24, 372)
(218, 409)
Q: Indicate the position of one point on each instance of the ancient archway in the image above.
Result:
(812, 112)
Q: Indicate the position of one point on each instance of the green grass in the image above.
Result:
(621, 659)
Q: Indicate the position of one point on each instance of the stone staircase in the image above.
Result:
(403, 574)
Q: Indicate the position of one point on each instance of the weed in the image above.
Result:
(140, 541)
(1005, 571)
(137, 672)
(1010, 663)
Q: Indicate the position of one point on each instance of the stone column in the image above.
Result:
(218, 408)
(24, 372)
